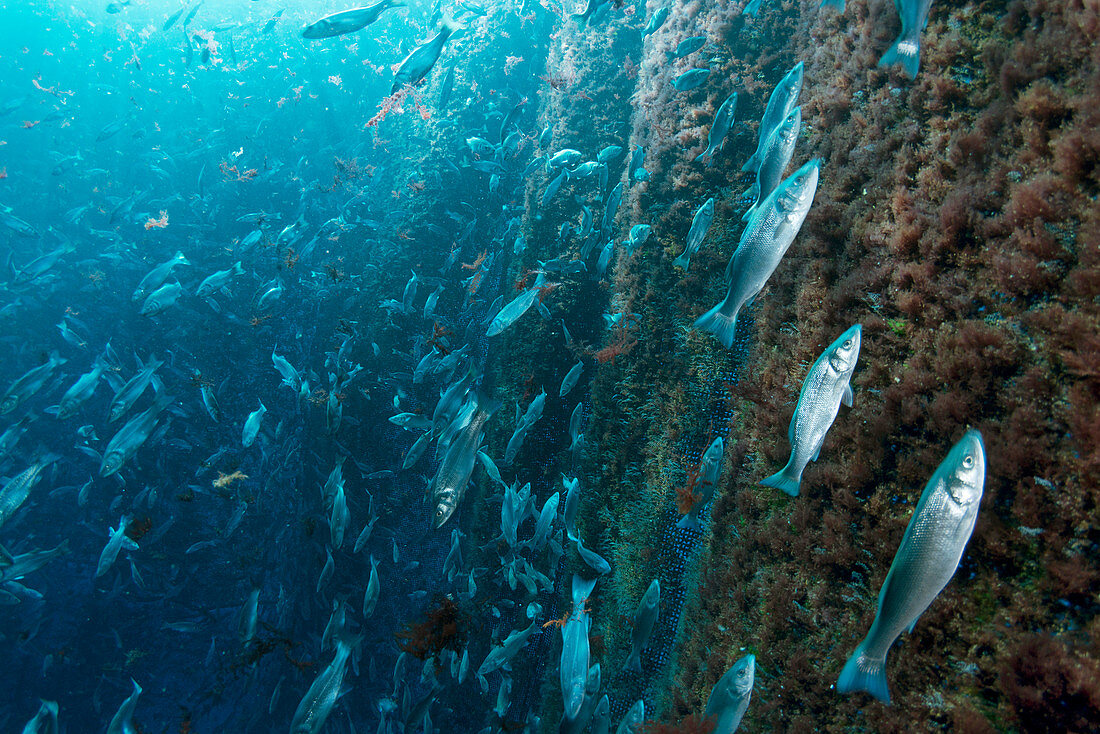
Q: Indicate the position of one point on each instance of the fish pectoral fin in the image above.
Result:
(847, 397)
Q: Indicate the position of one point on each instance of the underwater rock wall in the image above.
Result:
(956, 219)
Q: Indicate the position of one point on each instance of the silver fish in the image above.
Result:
(926, 560)
(348, 21)
(422, 58)
(777, 154)
(765, 240)
(729, 699)
(700, 223)
(644, 621)
(449, 483)
(783, 99)
(723, 120)
(825, 388)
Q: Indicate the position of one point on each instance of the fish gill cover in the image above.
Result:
(289, 292)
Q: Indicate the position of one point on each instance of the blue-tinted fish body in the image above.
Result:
(782, 100)
(124, 444)
(686, 47)
(421, 60)
(564, 158)
(13, 568)
(639, 233)
(906, 50)
(610, 153)
(710, 468)
(656, 21)
(449, 483)
(17, 225)
(19, 487)
(590, 10)
(155, 278)
(632, 720)
(926, 560)
(30, 383)
(777, 154)
(593, 559)
(373, 590)
(161, 299)
(290, 376)
(271, 294)
(219, 280)
(252, 426)
(700, 223)
(128, 394)
(316, 705)
(584, 170)
(409, 295)
(501, 655)
(513, 310)
(570, 380)
(765, 240)
(173, 18)
(42, 264)
(348, 21)
(122, 721)
(573, 673)
(210, 403)
(716, 137)
(45, 721)
(690, 79)
(10, 437)
(729, 699)
(826, 386)
(116, 541)
(645, 618)
(80, 391)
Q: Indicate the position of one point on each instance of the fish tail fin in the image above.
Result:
(689, 522)
(752, 8)
(862, 673)
(752, 163)
(838, 4)
(683, 261)
(784, 480)
(722, 325)
(905, 52)
(582, 588)
(634, 662)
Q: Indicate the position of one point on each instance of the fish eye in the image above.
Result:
(848, 344)
(968, 462)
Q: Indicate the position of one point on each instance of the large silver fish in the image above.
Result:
(783, 99)
(826, 386)
(316, 705)
(766, 238)
(450, 480)
(348, 21)
(777, 154)
(729, 699)
(926, 560)
(422, 58)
